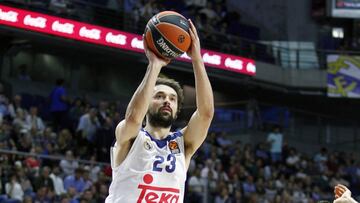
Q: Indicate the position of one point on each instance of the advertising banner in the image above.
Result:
(343, 76)
(65, 28)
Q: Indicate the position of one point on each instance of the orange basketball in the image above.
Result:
(167, 34)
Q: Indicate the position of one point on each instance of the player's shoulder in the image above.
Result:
(140, 134)
(177, 133)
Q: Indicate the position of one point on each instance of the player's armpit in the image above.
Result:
(125, 133)
(121, 152)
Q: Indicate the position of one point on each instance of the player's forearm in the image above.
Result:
(139, 103)
(343, 194)
(204, 93)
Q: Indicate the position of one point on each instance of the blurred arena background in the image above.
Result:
(279, 68)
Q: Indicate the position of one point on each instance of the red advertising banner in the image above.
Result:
(71, 29)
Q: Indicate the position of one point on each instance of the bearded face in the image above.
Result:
(161, 118)
(163, 108)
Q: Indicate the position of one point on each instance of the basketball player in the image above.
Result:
(150, 164)
(343, 195)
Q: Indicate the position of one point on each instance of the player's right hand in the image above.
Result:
(153, 58)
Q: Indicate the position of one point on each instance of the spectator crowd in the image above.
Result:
(66, 141)
(219, 29)
(225, 170)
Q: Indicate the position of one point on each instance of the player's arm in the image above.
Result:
(136, 110)
(343, 195)
(197, 128)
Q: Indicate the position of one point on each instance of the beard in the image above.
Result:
(159, 119)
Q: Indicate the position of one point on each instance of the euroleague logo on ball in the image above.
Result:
(181, 38)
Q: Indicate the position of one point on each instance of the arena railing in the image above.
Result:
(51, 157)
(299, 125)
(296, 58)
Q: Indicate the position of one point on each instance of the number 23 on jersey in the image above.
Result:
(169, 163)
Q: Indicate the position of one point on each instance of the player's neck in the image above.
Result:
(157, 132)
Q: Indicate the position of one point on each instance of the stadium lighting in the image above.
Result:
(338, 32)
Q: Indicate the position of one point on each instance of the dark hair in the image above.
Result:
(176, 86)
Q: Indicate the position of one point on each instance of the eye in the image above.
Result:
(172, 99)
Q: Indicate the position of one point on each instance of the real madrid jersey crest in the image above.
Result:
(153, 171)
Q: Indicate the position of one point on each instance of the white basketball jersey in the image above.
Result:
(153, 171)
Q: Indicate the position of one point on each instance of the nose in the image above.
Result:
(167, 102)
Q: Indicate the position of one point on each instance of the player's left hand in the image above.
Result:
(194, 50)
(340, 190)
(343, 194)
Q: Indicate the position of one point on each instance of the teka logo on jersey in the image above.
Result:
(235, 64)
(214, 59)
(153, 194)
(67, 28)
(115, 39)
(10, 16)
(168, 52)
(38, 22)
(90, 33)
